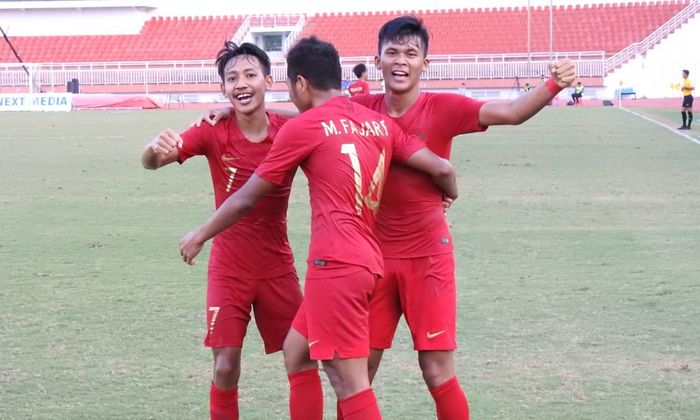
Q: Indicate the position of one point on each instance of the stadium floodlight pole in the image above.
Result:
(529, 42)
(14, 51)
(551, 32)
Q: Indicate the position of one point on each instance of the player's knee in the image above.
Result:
(436, 368)
(296, 360)
(334, 379)
(226, 369)
(346, 376)
(436, 376)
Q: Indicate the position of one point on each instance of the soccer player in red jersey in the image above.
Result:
(411, 226)
(360, 86)
(345, 150)
(251, 263)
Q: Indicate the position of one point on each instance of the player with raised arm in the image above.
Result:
(344, 150)
(251, 264)
(411, 226)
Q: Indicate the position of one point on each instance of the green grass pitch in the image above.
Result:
(578, 259)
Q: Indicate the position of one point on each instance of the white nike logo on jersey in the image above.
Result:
(311, 343)
(433, 335)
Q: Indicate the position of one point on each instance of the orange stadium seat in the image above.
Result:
(161, 38)
(601, 27)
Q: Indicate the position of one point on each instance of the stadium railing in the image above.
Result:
(654, 38)
(448, 67)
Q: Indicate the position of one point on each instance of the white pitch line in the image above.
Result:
(668, 127)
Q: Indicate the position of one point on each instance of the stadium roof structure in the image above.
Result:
(76, 4)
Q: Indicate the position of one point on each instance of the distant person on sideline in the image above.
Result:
(360, 86)
(578, 93)
(687, 107)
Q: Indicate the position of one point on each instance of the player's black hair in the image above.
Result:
(402, 30)
(317, 61)
(231, 50)
(686, 72)
(359, 70)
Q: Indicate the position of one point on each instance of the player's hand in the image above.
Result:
(446, 203)
(563, 72)
(190, 246)
(165, 142)
(213, 116)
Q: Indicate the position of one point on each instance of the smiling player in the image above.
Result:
(251, 263)
(419, 281)
(344, 149)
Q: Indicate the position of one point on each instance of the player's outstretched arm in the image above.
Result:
(440, 169)
(162, 150)
(562, 75)
(230, 212)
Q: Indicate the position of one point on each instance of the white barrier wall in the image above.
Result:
(652, 74)
(42, 18)
(36, 102)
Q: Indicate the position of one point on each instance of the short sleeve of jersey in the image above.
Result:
(195, 141)
(459, 114)
(405, 145)
(291, 146)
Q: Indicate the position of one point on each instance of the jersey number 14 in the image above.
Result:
(375, 186)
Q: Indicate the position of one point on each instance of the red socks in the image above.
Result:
(361, 406)
(305, 395)
(450, 401)
(223, 404)
(306, 401)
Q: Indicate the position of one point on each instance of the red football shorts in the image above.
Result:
(274, 302)
(334, 316)
(423, 290)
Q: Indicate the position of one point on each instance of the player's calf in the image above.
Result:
(305, 391)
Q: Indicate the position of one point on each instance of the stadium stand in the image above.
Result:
(471, 31)
(485, 47)
(468, 31)
(161, 38)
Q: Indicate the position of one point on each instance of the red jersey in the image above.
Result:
(344, 150)
(256, 246)
(411, 222)
(359, 87)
